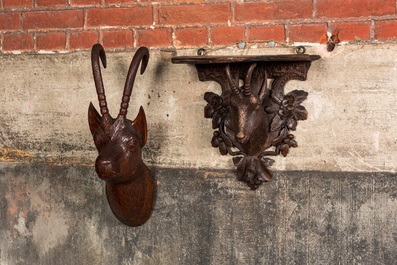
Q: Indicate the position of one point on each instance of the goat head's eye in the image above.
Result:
(100, 138)
(131, 143)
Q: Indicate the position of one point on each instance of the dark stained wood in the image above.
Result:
(251, 117)
(129, 182)
(244, 59)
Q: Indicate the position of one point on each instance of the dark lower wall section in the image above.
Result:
(59, 215)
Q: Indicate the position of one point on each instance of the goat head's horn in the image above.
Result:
(232, 84)
(247, 80)
(142, 55)
(96, 52)
(263, 90)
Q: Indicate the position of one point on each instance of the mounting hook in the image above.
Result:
(201, 52)
(300, 50)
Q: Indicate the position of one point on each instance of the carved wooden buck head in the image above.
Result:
(129, 183)
(249, 121)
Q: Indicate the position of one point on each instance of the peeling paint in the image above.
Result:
(10, 155)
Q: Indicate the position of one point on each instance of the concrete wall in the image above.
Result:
(332, 199)
(59, 215)
(351, 124)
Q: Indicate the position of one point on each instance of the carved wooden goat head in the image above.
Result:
(129, 182)
(248, 119)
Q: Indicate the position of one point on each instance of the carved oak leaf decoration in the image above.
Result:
(288, 110)
(252, 170)
(214, 103)
(214, 108)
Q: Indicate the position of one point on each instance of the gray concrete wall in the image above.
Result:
(332, 200)
(59, 215)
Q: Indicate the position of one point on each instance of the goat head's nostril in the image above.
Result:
(104, 166)
(105, 169)
(103, 162)
(241, 138)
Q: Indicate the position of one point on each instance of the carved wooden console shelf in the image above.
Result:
(252, 122)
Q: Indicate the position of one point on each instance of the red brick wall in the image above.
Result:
(68, 25)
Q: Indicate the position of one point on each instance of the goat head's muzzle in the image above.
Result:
(105, 169)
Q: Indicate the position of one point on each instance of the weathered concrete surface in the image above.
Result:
(59, 215)
(351, 104)
(341, 209)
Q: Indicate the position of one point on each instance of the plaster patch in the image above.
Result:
(49, 231)
(172, 101)
(50, 228)
(21, 226)
(376, 140)
(141, 258)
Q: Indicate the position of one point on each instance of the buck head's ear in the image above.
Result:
(140, 125)
(94, 119)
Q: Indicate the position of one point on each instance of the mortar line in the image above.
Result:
(372, 35)
(232, 5)
(314, 8)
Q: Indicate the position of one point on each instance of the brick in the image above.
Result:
(10, 21)
(84, 2)
(117, 39)
(135, 16)
(118, 2)
(355, 8)
(348, 31)
(83, 40)
(51, 2)
(307, 32)
(191, 37)
(386, 29)
(194, 14)
(18, 42)
(184, 1)
(155, 37)
(53, 19)
(273, 10)
(17, 3)
(276, 33)
(50, 41)
(227, 35)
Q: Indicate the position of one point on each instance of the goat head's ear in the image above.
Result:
(140, 125)
(94, 119)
